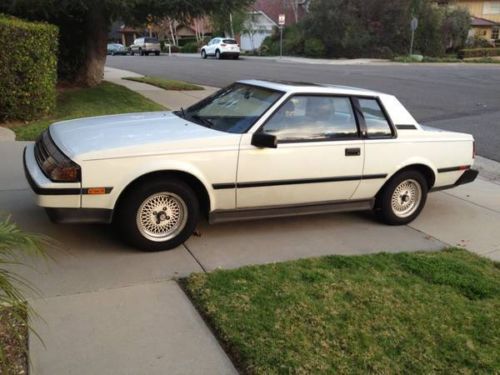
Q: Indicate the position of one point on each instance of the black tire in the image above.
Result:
(412, 187)
(126, 215)
(141, 52)
(236, 57)
(218, 55)
(203, 54)
(157, 53)
(131, 52)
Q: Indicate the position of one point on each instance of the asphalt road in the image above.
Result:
(459, 97)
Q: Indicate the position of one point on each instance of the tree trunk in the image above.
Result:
(96, 31)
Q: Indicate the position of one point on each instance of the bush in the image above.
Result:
(191, 47)
(478, 52)
(28, 65)
(314, 48)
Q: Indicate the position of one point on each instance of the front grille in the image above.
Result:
(41, 153)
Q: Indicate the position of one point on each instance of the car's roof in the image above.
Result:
(288, 86)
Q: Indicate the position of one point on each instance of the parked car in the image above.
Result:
(252, 150)
(145, 46)
(220, 48)
(116, 49)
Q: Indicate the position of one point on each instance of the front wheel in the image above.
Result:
(402, 199)
(158, 215)
(203, 54)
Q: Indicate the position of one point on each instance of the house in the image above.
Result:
(485, 21)
(263, 16)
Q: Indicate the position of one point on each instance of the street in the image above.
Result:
(459, 97)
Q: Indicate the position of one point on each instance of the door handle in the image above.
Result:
(356, 151)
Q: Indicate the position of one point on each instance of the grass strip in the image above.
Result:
(423, 312)
(166, 84)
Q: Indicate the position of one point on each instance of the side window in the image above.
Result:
(376, 122)
(313, 118)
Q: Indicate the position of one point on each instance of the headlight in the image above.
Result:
(54, 164)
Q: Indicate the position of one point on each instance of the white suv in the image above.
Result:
(221, 47)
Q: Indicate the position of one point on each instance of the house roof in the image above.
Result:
(476, 21)
(273, 8)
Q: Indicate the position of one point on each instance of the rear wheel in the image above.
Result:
(403, 198)
(158, 215)
(236, 57)
(157, 53)
(218, 56)
(141, 52)
(131, 51)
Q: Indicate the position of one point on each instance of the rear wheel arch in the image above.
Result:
(193, 182)
(425, 170)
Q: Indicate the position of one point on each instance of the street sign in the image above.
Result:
(414, 24)
(281, 20)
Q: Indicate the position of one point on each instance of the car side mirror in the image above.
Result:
(264, 140)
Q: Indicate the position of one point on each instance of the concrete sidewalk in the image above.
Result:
(170, 99)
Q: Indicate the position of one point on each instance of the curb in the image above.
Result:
(7, 135)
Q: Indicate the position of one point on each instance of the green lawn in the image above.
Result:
(406, 313)
(105, 99)
(167, 84)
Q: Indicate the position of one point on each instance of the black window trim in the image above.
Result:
(360, 124)
(361, 118)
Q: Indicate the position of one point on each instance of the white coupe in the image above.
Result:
(252, 150)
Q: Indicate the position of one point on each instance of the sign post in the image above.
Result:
(413, 27)
(281, 23)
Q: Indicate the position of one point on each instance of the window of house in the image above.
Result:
(376, 122)
(313, 118)
(495, 33)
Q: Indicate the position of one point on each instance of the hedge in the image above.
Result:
(478, 52)
(28, 69)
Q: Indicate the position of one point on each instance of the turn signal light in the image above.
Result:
(96, 191)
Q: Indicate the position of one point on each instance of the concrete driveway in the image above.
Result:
(108, 308)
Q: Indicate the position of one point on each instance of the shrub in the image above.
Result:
(478, 52)
(28, 66)
(314, 48)
(191, 47)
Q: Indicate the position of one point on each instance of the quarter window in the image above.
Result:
(376, 122)
(313, 118)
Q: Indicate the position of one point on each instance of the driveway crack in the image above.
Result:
(195, 259)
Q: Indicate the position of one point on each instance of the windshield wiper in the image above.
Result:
(181, 113)
(204, 121)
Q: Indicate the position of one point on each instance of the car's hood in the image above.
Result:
(134, 134)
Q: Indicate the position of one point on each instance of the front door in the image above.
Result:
(319, 157)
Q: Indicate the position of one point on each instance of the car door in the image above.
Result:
(211, 46)
(318, 158)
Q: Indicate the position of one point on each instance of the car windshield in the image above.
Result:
(233, 109)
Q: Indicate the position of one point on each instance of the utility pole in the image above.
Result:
(281, 23)
(413, 27)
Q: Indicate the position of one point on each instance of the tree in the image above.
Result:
(84, 26)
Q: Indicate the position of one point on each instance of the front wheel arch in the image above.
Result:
(192, 181)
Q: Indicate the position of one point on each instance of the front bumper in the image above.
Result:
(62, 201)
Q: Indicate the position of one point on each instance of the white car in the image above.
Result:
(252, 150)
(221, 47)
